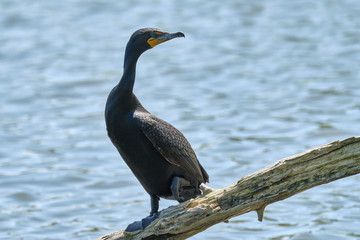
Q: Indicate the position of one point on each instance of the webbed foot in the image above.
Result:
(141, 225)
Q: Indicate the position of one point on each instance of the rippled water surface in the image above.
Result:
(252, 82)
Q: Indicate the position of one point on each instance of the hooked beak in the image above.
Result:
(163, 37)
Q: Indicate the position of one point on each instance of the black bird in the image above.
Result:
(157, 153)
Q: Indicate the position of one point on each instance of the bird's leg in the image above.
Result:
(141, 225)
(154, 201)
(177, 187)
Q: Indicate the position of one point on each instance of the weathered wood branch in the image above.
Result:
(254, 192)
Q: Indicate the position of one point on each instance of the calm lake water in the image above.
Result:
(252, 82)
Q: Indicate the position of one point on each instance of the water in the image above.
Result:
(251, 83)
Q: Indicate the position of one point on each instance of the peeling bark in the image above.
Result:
(254, 192)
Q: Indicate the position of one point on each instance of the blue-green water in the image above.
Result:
(252, 82)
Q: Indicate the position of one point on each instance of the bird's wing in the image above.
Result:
(171, 144)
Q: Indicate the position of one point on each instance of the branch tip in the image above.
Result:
(260, 213)
(205, 189)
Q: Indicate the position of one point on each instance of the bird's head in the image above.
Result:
(146, 38)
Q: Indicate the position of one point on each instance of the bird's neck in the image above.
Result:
(127, 81)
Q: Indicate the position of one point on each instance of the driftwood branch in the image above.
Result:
(254, 192)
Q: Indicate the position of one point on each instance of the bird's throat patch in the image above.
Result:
(154, 41)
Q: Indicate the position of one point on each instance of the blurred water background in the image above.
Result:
(252, 82)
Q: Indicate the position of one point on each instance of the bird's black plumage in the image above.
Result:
(157, 153)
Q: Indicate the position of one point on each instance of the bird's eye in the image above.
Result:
(152, 34)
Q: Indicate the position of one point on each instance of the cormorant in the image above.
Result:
(157, 153)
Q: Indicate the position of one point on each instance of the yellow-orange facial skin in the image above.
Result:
(155, 41)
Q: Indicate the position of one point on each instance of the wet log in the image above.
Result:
(254, 192)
